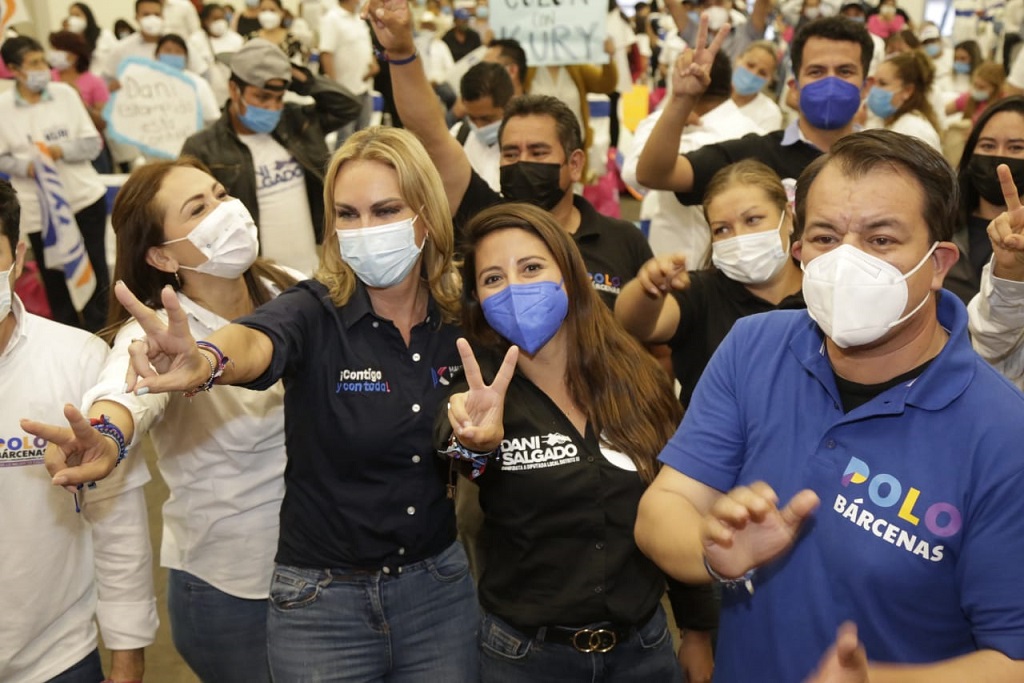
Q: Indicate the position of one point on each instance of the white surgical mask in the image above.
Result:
(58, 59)
(218, 27)
(751, 259)
(488, 135)
(855, 297)
(76, 24)
(152, 25)
(36, 80)
(227, 238)
(5, 292)
(269, 20)
(381, 256)
(717, 16)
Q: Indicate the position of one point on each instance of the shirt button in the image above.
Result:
(410, 510)
(376, 324)
(415, 458)
(590, 458)
(386, 570)
(831, 443)
(401, 551)
(599, 546)
(415, 407)
(415, 356)
(599, 589)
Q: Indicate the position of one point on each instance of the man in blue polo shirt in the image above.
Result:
(873, 407)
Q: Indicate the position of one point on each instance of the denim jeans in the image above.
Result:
(222, 638)
(88, 670)
(507, 656)
(418, 624)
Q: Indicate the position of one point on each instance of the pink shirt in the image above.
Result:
(90, 87)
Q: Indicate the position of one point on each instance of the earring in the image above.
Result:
(177, 279)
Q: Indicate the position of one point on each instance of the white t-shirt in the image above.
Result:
(58, 117)
(135, 46)
(764, 112)
(436, 56)
(53, 585)
(485, 160)
(623, 37)
(222, 455)
(206, 48)
(208, 106)
(913, 124)
(347, 38)
(560, 86)
(286, 223)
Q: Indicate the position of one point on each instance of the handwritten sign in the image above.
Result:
(553, 32)
(155, 109)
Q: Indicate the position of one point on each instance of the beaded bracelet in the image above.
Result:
(397, 62)
(747, 580)
(216, 369)
(104, 426)
(457, 451)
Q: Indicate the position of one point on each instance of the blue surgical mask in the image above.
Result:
(527, 315)
(173, 61)
(963, 68)
(933, 50)
(880, 102)
(482, 12)
(381, 256)
(487, 135)
(979, 95)
(829, 103)
(746, 82)
(259, 120)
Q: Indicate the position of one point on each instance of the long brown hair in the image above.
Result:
(421, 188)
(992, 73)
(914, 68)
(138, 221)
(625, 394)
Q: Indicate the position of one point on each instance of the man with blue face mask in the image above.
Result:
(485, 90)
(855, 468)
(271, 154)
(830, 58)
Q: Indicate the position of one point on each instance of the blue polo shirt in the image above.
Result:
(920, 535)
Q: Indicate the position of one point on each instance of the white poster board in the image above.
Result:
(554, 32)
(155, 109)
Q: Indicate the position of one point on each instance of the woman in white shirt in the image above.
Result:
(172, 51)
(214, 38)
(222, 454)
(80, 20)
(899, 99)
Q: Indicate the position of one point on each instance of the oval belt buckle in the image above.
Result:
(594, 640)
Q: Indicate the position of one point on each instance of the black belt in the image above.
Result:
(601, 637)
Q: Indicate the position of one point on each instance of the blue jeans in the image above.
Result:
(88, 670)
(507, 655)
(222, 638)
(419, 624)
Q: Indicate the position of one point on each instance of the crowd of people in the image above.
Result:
(429, 409)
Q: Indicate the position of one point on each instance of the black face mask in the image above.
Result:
(532, 182)
(981, 171)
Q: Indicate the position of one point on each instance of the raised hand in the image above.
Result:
(1006, 232)
(745, 528)
(692, 73)
(167, 359)
(391, 21)
(477, 416)
(845, 662)
(76, 454)
(664, 273)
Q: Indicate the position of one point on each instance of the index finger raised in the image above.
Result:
(469, 365)
(146, 316)
(1010, 193)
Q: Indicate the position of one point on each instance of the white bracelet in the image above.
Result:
(747, 580)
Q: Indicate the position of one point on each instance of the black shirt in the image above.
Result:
(363, 489)
(708, 309)
(558, 520)
(613, 250)
(788, 161)
(461, 49)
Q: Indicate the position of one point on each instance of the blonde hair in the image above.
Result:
(421, 188)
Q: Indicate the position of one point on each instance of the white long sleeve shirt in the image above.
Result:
(996, 324)
(61, 569)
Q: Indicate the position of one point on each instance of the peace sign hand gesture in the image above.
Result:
(1006, 232)
(477, 416)
(692, 73)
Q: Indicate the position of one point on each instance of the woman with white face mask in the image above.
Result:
(81, 20)
(368, 576)
(276, 25)
(214, 38)
(222, 455)
(751, 223)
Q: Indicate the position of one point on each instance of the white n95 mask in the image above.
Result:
(855, 297)
(751, 259)
(381, 256)
(227, 238)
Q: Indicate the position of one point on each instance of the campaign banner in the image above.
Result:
(155, 109)
(63, 246)
(554, 32)
(12, 12)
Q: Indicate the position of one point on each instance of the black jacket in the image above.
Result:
(301, 131)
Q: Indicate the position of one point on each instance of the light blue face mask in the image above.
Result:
(487, 135)
(880, 102)
(174, 61)
(963, 68)
(746, 82)
(933, 50)
(259, 120)
(381, 256)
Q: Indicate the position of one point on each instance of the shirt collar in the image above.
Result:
(589, 218)
(359, 306)
(19, 333)
(793, 134)
(19, 101)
